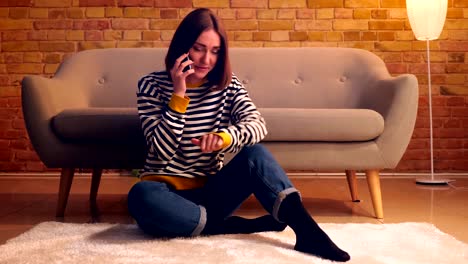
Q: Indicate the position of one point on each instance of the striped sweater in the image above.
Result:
(169, 123)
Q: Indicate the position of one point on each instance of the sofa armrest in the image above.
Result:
(43, 98)
(396, 99)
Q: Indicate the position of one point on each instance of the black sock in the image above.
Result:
(310, 238)
(240, 225)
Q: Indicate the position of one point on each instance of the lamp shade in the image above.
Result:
(427, 17)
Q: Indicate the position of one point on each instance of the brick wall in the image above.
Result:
(36, 35)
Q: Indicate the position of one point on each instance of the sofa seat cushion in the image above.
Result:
(120, 125)
(327, 125)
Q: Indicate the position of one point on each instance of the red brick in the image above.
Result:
(93, 35)
(393, 3)
(17, 24)
(52, 58)
(413, 165)
(343, 13)
(324, 3)
(19, 13)
(456, 57)
(3, 101)
(440, 111)
(444, 143)
(55, 46)
(4, 144)
(97, 3)
(422, 68)
(169, 13)
(16, 3)
(460, 3)
(6, 155)
(19, 144)
(91, 24)
(173, 3)
(53, 24)
(52, 3)
(445, 165)
(368, 36)
(449, 133)
(436, 101)
(351, 35)
(35, 166)
(4, 80)
(395, 68)
(460, 165)
(417, 154)
(8, 113)
(12, 166)
(6, 124)
(455, 101)
(454, 45)
(56, 35)
(305, 14)
(57, 14)
(386, 36)
(26, 155)
(130, 24)
(14, 57)
(421, 133)
(460, 112)
(418, 144)
(146, 3)
(249, 3)
(37, 35)
(379, 13)
(14, 35)
(451, 123)
(28, 68)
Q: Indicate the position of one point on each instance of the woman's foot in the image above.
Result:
(318, 243)
(310, 238)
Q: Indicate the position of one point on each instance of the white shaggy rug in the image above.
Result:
(405, 243)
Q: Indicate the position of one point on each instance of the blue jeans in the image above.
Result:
(164, 212)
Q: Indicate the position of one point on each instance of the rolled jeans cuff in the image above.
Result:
(281, 196)
(201, 222)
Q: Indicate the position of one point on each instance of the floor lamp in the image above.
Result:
(427, 18)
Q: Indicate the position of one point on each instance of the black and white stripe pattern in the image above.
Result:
(168, 133)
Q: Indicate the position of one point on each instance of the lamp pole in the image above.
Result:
(427, 18)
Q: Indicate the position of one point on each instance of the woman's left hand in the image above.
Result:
(208, 143)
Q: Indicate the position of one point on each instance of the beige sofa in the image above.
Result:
(327, 109)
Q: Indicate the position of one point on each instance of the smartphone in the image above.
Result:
(188, 67)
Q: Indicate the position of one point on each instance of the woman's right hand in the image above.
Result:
(178, 75)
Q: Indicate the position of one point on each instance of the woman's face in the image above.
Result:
(204, 54)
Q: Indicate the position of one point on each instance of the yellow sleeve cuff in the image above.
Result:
(179, 104)
(226, 138)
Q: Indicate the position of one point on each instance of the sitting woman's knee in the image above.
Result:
(255, 151)
(139, 192)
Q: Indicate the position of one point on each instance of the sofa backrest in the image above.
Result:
(314, 77)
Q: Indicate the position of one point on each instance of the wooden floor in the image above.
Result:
(27, 201)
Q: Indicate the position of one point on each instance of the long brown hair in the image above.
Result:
(187, 33)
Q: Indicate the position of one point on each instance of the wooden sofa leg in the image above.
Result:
(352, 183)
(66, 179)
(373, 181)
(95, 181)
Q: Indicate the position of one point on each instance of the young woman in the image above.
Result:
(191, 114)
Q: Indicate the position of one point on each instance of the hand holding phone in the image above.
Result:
(188, 67)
